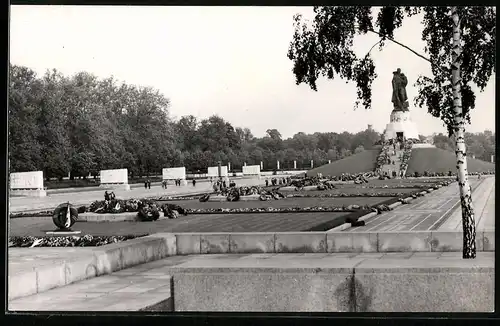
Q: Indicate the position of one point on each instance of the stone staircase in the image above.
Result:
(389, 168)
(405, 156)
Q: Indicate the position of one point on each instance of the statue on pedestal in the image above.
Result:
(399, 96)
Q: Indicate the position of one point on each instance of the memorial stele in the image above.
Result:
(114, 179)
(29, 184)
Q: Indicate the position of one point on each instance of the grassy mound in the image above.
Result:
(357, 163)
(440, 160)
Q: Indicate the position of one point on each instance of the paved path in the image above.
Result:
(17, 204)
(25, 259)
(424, 213)
(483, 200)
(129, 289)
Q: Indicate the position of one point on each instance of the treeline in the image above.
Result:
(81, 124)
(481, 145)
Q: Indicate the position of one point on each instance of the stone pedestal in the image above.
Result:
(115, 186)
(28, 192)
(401, 124)
(423, 145)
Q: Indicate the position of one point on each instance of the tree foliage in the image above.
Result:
(324, 48)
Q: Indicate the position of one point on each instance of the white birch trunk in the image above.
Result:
(468, 222)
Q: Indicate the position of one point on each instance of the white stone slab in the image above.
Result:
(114, 176)
(251, 170)
(174, 173)
(213, 171)
(423, 145)
(26, 180)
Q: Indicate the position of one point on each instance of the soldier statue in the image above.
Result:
(399, 96)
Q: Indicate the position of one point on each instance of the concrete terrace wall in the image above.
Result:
(298, 284)
(328, 242)
(250, 274)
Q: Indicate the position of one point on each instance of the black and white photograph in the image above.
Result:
(270, 159)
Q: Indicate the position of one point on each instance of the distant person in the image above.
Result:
(112, 195)
(106, 196)
(146, 184)
(149, 184)
(194, 182)
(267, 182)
(224, 184)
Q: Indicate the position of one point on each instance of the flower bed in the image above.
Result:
(314, 209)
(427, 174)
(235, 193)
(383, 157)
(72, 241)
(408, 186)
(31, 214)
(365, 194)
(175, 198)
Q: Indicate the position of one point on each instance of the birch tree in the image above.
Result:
(460, 45)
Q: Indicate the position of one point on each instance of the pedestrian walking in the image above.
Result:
(146, 184)
(149, 184)
(194, 182)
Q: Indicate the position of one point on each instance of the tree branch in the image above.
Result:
(374, 45)
(406, 47)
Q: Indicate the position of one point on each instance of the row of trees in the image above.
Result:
(480, 145)
(80, 124)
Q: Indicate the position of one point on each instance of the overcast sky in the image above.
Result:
(230, 61)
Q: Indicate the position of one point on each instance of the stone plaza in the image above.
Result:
(208, 263)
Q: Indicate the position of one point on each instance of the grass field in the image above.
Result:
(263, 222)
(361, 191)
(361, 162)
(440, 160)
(287, 202)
